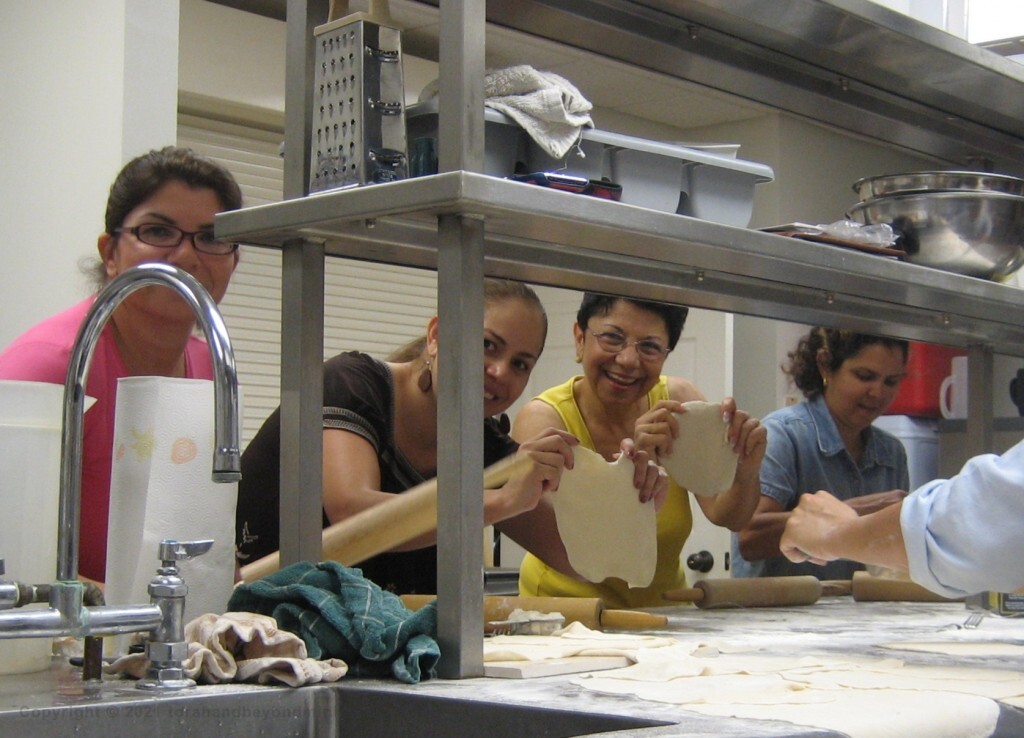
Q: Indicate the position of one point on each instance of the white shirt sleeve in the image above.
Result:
(966, 534)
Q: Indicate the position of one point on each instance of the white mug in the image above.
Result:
(953, 391)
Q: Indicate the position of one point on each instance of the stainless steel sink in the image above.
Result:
(34, 704)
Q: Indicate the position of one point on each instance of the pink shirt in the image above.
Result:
(41, 354)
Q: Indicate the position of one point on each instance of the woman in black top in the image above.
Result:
(380, 438)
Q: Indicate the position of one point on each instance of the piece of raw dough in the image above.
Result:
(862, 698)
(573, 640)
(606, 530)
(702, 460)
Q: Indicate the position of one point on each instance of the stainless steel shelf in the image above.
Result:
(852, 64)
(549, 237)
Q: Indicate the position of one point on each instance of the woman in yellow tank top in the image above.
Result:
(622, 345)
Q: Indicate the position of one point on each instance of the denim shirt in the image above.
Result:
(805, 454)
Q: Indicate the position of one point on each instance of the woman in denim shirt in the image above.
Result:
(827, 442)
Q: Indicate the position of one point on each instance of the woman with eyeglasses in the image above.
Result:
(827, 442)
(160, 209)
(621, 345)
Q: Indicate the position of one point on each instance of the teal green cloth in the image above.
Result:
(340, 614)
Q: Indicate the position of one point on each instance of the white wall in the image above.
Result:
(85, 87)
(230, 55)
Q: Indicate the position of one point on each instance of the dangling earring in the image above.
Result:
(579, 359)
(824, 381)
(426, 380)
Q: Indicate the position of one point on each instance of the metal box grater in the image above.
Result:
(358, 132)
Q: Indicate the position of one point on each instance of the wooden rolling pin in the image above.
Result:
(867, 588)
(382, 527)
(589, 611)
(799, 590)
(754, 592)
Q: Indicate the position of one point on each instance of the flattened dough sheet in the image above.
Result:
(702, 460)
(864, 698)
(606, 530)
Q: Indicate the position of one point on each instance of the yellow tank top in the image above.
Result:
(674, 523)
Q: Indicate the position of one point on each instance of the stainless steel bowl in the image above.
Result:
(980, 234)
(901, 184)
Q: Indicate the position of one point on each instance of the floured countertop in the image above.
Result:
(807, 647)
(917, 650)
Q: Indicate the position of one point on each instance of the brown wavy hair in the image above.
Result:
(495, 291)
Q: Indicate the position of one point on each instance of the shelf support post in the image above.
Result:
(460, 308)
(980, 366)
(460, 449)
(302, 312)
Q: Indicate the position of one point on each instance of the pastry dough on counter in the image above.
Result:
(575, 639)
(862, 697)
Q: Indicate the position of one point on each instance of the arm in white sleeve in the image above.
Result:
(964, 535)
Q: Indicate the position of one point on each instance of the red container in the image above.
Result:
(927, 365)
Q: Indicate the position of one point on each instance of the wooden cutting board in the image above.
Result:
(552, 667)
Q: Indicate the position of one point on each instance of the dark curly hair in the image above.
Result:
(673, 315)
(839, 346)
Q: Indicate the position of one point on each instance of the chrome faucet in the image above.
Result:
(67, 616)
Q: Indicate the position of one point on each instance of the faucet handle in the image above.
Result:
(171, 551)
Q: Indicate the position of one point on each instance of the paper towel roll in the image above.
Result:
(160, 488)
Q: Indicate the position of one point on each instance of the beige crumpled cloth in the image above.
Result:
(242, 647)
(546, 105)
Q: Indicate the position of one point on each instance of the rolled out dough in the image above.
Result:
(702, 460)
(861, 698)
(606, 530)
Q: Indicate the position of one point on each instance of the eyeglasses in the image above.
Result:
(169, 237)
(615, 343)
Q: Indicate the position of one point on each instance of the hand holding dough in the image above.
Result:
(606, 530)
(702, 460)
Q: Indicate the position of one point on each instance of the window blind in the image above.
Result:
(368, 307)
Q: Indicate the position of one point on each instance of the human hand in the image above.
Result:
(649, 478)
(655, 430)
(812, 527)
(548, 453)
(747, 437)
(867, 504)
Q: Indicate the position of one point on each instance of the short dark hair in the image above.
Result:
(840, 346)
(596, 304)
(145, 174)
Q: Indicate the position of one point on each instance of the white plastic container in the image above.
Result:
(661, 176)
(504, 139)
(920, 437)
(31, 415)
